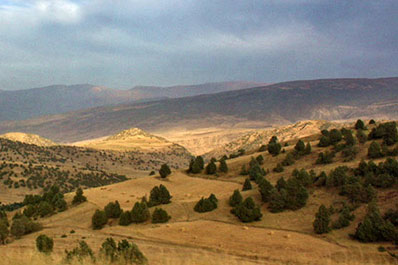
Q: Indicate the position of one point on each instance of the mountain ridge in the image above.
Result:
(272, 105)
(55, 99)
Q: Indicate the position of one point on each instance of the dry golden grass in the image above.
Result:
(216, 237)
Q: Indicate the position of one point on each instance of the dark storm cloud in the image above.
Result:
(126, 43)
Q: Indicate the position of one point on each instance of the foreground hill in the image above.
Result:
(29, 103)
(218, 237)
(283, 103)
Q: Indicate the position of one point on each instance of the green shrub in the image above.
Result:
(79, 197)
(80, 253)
(374, 228)
(322, 220)
(99, 219)
(374, 150)
(160, 216)
(223, 166)
(247, 211)
(206, 204)
(44, 244)
(125, 218)
(247, 185)
(122, 253)
(140, 212)
(360, 125)
(235, 199)
(211, 168)
(159, 195)
(164, 171)
(113, 210)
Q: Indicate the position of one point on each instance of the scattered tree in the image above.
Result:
(235, 199)
(79, 197)
(211, 168)
(206, 204)
(99, 219)
(164, 171)
(44, 244)
(160, 216)
(247, 185)
(322, 220)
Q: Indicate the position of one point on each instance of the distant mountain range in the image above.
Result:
(30, 103)
(282, 103)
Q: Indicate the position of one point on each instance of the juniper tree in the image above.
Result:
(278, 200)
(360, 125)
(235, 199)
(140, 212)
(322, 220)
(160, 216)
(113, 210)
(164, 171)
(159, 195)
(79, 197)
(374, 150)
(44, 244)
(99, 219)
(299, 147)
(247, 185)
(125, 218)
(247, 211)
(265, 188)
(211, 168)
(223, 166)
(206, 204)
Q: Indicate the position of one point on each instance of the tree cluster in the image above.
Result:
(196, 165)
(247, 211)
(50, 202)
(386, 131)
(123, 252)
(159, 195)
(206, 204)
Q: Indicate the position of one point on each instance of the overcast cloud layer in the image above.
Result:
(122, 43)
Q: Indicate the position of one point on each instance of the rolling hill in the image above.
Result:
(218, 236)
(282, 103)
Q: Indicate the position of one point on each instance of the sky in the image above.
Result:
(121, 43)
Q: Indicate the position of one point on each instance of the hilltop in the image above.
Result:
(137, 140)
(260, 107)
(28, 138)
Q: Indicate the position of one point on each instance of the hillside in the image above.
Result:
(219, 237)
(253, 140)
(28, 167)
(29, 103)
(282, 103)
(145, 92)
(27, 138)
(139, 141)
